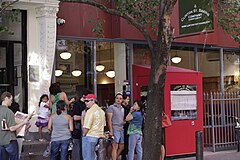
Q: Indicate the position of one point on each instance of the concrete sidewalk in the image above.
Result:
(220, 155)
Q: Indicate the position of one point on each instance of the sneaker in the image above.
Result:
(42, 140)
(46, 153)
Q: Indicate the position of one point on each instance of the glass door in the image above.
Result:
(6, 68)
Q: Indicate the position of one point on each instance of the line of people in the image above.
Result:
(85, 126)
(118, 117)
(89, 123)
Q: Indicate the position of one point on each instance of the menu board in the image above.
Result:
(183, 102)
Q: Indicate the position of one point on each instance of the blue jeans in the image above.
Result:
(59, 145)
(135, 141)
(88, 147)
(10, 151)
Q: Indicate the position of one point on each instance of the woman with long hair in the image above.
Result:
(61, 125)
(57, 94)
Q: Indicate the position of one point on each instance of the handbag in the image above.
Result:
(166, 121)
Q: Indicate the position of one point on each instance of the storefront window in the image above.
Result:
(69, 58)
(142, 56)
(185, 58)
(77, 71)
(231, 71)
(18, 78)
(209, 65)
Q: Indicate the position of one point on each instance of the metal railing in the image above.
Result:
(220, 110)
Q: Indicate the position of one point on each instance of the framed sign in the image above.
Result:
(33, 73)
(195, 16)
(183, 102)
(66, 67)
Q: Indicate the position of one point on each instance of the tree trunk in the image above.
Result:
(153, 122)
(153, 125)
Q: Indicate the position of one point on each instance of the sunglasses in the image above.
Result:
(88, 100)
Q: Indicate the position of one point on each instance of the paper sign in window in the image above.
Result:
(183, 100)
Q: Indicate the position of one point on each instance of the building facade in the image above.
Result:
(27, 56)
(211, 51)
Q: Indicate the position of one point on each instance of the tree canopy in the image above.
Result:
(228, 14)
(6, 15)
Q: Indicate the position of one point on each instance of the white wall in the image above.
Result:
(41, 39)
(119, 65)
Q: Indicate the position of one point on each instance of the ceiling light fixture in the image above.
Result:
(176, 59)
(110, 73)
(58, 72)
(65, 55)
(76, 73)
(99, 67)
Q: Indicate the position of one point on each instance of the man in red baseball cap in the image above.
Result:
(93, 127)
(91, 96)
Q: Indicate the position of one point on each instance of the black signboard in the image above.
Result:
(195, 16)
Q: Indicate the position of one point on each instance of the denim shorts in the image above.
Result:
(118, 137)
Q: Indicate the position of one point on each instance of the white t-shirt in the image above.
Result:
(43, 111)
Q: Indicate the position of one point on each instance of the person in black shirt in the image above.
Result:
(126, 107)
(77, 109)
(14, 107)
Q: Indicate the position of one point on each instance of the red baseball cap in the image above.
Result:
(90, 96)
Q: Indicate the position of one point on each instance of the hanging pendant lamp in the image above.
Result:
(110, 73)
(58, 72)
(99, 67)
(65, 55)
(176, 59)
(76, 73)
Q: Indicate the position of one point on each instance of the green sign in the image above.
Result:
(195, 16)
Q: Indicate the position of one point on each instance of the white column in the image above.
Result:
(41, 52)
(119, 65)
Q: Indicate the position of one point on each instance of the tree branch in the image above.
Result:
(5, 7)
(115, 12)
(165, 12)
